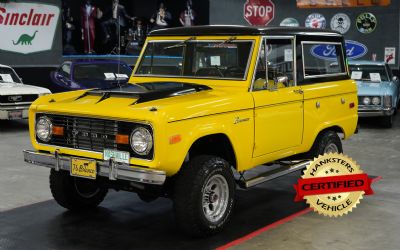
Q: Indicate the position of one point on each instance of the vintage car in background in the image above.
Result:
(378, 90)
(89, 73)
(16, 97)
(205, 105)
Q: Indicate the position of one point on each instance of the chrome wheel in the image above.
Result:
(331, 148)
(215, 198)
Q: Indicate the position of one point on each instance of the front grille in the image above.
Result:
(17, 98)
(92, 134)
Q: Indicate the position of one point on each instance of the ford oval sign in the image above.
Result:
(354, 50)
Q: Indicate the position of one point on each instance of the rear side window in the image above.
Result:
(322, 59)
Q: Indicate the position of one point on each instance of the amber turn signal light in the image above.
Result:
(58, 130)
(175, 139)
(122, 139)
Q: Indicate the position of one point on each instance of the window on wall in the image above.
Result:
(322, 59)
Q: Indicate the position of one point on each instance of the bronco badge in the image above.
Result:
(333, 184)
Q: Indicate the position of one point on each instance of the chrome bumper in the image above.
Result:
(110, 169)
(373, 112)
(4, 109)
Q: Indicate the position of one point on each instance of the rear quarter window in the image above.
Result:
(322, 59)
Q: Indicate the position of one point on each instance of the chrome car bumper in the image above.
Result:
(374, 111)
(5, 109)
(110, 169)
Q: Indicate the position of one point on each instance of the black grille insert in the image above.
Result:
(92, 134)
(17, 98)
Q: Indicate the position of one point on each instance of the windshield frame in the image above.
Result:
(367, 65)
(197, 40)
(15, 73)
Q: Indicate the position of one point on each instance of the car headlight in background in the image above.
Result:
(376, 100)
(44, 129)
(367, 101)
(141, 141)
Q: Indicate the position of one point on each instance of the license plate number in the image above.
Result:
(15, 115)
(119, 156)
(83, 168)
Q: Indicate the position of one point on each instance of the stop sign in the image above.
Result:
(259, 12)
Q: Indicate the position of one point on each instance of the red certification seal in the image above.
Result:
(333, 184)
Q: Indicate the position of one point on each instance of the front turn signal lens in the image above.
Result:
(122, 139)
(57, 130)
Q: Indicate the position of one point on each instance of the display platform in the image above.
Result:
(125, 222)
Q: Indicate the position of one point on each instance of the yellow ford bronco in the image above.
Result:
(204, 105)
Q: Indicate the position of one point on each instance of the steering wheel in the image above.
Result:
(219, 70)
(234, 71)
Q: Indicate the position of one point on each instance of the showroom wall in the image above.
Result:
(46, 47)
(385, 35)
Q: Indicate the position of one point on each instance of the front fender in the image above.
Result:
(241, 136)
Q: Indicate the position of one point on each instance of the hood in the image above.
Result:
(373, 88)
(147, 101)
(21, 89)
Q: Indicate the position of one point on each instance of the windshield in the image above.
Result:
(371, 73)
(102, 71)
(7, 75)
(216, 59)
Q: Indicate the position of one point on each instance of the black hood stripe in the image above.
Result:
(146, 92)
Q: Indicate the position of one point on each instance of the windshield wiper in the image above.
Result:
(181, 44)
(229, 40)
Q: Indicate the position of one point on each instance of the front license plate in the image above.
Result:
(15, 115)
(119, 156)
(83, 168)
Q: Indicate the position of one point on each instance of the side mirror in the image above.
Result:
(59, 76)
(281, 80)
(395, 79)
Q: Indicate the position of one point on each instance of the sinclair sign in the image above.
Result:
(259, 12)
(27, 27)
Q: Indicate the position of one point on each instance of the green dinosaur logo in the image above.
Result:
(25, 39)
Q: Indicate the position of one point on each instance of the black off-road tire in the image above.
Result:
(64, 189)
(323, 141)
(188, 195)
(147, 197)
(387, 121)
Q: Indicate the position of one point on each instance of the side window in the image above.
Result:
(275, 67)
(322, 59)
(280, 62)
(66, 70)
(260, 79)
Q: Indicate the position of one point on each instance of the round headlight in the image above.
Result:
(376, 100)
(367, 101)
(141, 141)
(44, 129)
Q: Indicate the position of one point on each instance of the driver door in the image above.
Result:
(278, 101)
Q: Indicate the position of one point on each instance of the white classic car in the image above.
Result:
(16, 97)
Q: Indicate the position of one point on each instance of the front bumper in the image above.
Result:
(110, 169)
(374, 111)
(4, 110)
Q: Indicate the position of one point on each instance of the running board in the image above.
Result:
(272, 174)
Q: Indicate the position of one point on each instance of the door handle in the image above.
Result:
(298, 91)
